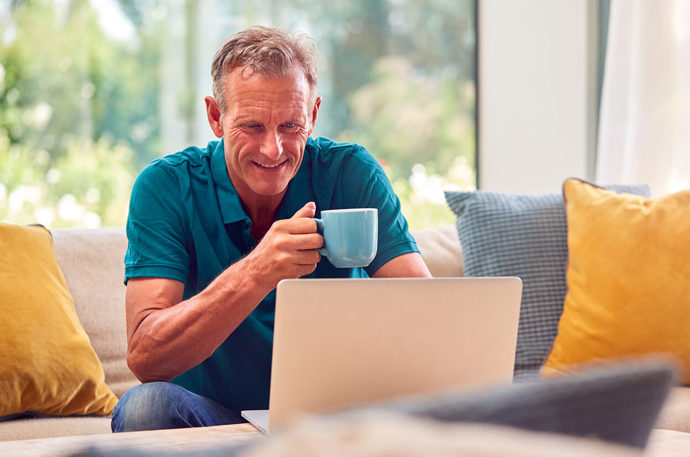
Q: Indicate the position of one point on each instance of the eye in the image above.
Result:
(252, 127)
(289, 125)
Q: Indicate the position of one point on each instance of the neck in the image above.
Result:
(262, 213)
(262, 219)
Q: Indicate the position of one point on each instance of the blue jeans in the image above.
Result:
(161, 405)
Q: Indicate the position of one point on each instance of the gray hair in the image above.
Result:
(268, 51)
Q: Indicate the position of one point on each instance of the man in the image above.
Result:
(212, 231)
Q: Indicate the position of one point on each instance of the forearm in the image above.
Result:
(169, 340)
(168, 336)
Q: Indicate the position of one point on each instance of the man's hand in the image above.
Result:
(288, 250)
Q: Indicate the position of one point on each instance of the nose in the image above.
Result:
(272, 146)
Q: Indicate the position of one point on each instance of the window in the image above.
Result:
(91, 91)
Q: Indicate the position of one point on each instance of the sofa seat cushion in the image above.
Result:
(52, 427)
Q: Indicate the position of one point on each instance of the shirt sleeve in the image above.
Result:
(157, 227)
(364, 184)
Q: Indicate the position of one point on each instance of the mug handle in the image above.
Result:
(319, 230)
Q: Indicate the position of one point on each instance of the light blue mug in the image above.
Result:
(350, 236)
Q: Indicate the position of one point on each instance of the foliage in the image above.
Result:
(406, 119)
(81, 109)
(88, 186)
(422, 198)
(64, 78)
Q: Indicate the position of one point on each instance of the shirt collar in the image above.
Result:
(228, 199)
(298, 193)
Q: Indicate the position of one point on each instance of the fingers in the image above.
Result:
(304, 270)
(308, 210)
(310, 257)
(305, 242)
(295, 226)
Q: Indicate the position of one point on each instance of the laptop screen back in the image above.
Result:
(345, 342)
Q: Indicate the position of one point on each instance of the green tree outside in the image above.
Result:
(81, 111)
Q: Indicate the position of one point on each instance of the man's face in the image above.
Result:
(266, 123)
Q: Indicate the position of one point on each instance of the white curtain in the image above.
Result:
(644, 124)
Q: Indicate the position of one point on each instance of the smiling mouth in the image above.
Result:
(269, 166)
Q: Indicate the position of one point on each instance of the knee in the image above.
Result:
(149, 406)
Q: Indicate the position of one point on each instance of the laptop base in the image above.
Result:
(258, 418)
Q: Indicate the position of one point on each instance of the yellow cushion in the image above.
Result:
(628, 277)
(47, 364)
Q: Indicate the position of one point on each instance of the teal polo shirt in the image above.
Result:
(186, 222)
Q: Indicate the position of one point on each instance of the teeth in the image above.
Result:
(268, 166)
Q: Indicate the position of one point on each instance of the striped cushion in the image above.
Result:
(523, 236)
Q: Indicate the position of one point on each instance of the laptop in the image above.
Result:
(341, 343)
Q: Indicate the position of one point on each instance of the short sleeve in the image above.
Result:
(157, 226)
(364, 184)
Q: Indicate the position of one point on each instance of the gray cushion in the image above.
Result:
(523, 236)
(618, 403)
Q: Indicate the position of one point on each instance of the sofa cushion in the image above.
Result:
(525, 236)
(628, 277)
(441, 250)
(93, 264)
(47, 364)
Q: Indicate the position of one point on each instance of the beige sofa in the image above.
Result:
(92, 263)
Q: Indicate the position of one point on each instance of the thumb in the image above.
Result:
(308, 210)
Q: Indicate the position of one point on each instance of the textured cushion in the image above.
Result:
(524, 236)
(441, 251)
(618, 403)
(92, 262)
(46, 363)
(628, 277)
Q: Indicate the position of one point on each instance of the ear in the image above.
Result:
(213, 114)
(315, 113)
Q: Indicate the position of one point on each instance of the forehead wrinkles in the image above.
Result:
(290, 104)
(250, 86)
(258, 95)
